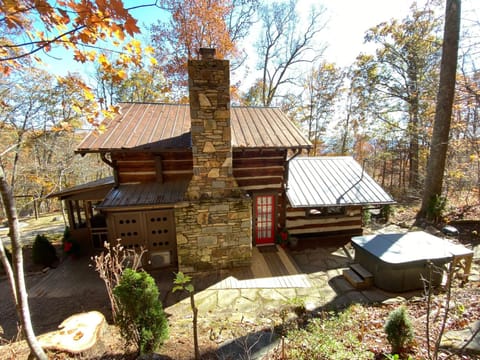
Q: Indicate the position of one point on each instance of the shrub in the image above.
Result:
(399, 330)
(436, 208)
(386, 212)
(140, 317)
(366, 217)
(110, 265)
(43, 252)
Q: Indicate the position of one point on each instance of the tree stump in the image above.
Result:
(80, 333)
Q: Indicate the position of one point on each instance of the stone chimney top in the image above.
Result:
(207, 53)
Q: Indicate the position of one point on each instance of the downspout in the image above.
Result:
(284, 195)
(287, 164)
(109, 162)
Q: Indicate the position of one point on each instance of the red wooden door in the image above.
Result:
(265, 220)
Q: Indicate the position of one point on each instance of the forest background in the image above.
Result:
(379, 108)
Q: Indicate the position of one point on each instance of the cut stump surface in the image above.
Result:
(77, 334)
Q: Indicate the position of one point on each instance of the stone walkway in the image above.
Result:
(323, 286)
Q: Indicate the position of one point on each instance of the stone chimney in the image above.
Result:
(214, 224)
(209, 90)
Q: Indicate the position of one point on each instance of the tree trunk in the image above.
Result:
(8, 270)
(443, 112)
(18, 275)
(414, 147)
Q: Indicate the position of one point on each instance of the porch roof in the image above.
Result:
(144, 195)
(156, 126)
(84, 190)
(332, 181)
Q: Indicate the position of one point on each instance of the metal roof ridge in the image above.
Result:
(188, 104)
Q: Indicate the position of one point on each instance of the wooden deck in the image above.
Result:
(271, 268)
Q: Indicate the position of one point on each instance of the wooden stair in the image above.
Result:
(358, 277)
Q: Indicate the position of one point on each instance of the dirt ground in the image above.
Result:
(49, 311)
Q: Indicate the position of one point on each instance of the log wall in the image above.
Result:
(254, 169)
(300, 224)
(140, 167)
(259, 170)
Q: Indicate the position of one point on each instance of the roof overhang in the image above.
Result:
(92, 190)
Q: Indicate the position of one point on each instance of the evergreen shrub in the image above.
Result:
(43, 252)
(399, 330)
(140, 316)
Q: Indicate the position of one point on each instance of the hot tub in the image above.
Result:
(399, 261)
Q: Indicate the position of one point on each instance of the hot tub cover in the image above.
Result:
(399, 248)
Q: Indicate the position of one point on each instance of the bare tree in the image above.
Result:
(284, 44)
(322, 88)
(443, 112)
(18, 286)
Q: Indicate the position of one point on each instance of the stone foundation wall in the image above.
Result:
(213, 234)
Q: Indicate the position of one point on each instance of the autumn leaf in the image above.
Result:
(122, 74)
(88, 94)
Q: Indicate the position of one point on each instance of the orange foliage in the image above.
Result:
(78, 26)
(195, 24)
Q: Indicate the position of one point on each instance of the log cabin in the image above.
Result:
(199, 184)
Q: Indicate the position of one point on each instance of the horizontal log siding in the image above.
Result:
(299, 224)
(138, 167)
(254, 170)
(258, 170)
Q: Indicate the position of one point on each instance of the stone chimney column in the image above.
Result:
(209, 91)
(214, 225)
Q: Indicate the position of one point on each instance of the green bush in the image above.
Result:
(436, 208)
(140, 317)
(43, 252)
(366, 217)
(399, 330)
(386, 212)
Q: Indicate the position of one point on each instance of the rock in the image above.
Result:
(395, 300)
(456, 340)
(80, 333)
(449, 230)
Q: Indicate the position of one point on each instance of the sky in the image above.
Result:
(348, 20)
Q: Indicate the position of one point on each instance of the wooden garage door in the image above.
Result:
(153, 230)
(160, 228)
(129, 227)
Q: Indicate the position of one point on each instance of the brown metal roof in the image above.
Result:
(332, 181)
(167, 126)
(144, 195)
